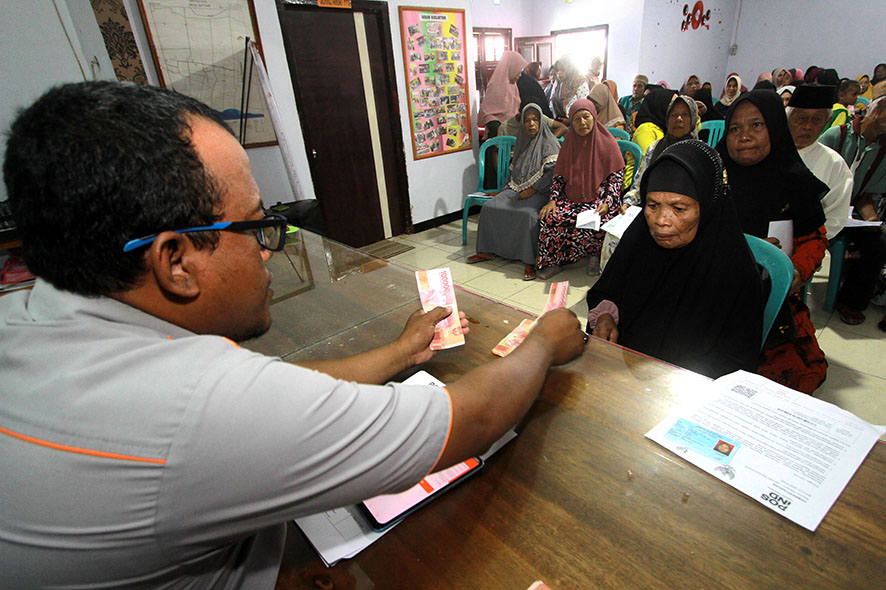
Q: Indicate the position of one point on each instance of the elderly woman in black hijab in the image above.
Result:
(770, 183)
(682, 285)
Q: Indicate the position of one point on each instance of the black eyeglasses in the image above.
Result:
(272, 234)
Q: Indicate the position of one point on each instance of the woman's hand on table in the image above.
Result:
(606, 328)
(549, 208)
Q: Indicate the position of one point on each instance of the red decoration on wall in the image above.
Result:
(697, 18)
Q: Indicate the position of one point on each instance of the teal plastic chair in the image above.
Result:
(715, 131)
(504, 143)
(619, 133)
(629, 147)
(837, 248)
(781, 271)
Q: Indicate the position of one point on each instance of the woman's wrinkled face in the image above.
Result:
(531, 122)
(679, 119)
(731, 87)
(747, 138)
(583, 122)
(672, 218)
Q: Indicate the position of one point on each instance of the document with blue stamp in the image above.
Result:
(787, 450)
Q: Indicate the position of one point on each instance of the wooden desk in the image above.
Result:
(557, 503)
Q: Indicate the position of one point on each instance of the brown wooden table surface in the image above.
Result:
(557, 504)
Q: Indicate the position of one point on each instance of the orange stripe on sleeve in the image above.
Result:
(69, 449)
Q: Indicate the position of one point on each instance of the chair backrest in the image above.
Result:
(629, 147)
(715, 131)
(781, 271)
(504, 143)
(619, 133)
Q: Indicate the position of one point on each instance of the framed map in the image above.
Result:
(435, 56)
(199, 47)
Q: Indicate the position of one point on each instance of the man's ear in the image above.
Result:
(175, 264)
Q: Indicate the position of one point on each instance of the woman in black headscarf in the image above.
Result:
(531, 91)
(770, 183)
(649, 125)
(682, 285)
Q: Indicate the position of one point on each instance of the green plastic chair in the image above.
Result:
(781, 271)
(619, 133)
(715, 131)
(504, 143)
(629, 147)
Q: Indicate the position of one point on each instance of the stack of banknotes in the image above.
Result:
(436, 289)
(556, 298)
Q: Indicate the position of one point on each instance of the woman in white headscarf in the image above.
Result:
(731, 91)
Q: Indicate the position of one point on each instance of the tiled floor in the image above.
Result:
(856, 354)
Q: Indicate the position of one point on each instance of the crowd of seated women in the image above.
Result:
(682, 284)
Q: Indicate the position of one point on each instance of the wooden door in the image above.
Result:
(342, 69)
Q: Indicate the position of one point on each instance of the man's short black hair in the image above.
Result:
(90, 166)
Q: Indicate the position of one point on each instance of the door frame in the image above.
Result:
(399, 196)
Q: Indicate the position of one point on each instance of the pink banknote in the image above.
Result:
(556, 298)
(435, 289)
(513, 340)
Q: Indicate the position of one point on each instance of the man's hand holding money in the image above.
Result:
(415, 341)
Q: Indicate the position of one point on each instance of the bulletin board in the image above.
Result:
(435, 56)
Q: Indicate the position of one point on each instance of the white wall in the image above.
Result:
(510, 14)
(669, 53)
(847, 36)
(36, 56)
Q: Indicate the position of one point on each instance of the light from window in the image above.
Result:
(582, 46)
(474, 46)
(493, 47)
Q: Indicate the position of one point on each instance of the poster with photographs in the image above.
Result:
(434, 47)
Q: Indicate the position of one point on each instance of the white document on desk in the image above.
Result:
(787, 450)
(343, 532)
(588, 219)
(620, 223)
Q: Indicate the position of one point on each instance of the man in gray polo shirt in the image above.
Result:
(141, 446)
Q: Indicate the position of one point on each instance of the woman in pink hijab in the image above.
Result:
(502, 100)
(588, 177)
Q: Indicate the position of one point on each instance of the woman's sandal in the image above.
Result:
(481, 257)
(529, 273)
(850, 316)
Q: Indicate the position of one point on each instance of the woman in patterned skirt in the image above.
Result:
(588, 176)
